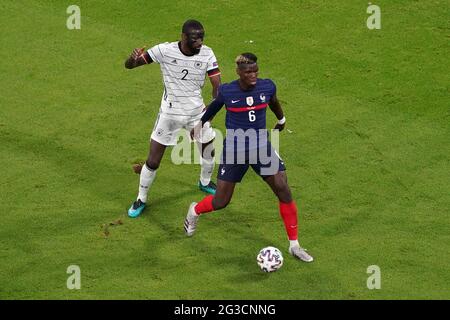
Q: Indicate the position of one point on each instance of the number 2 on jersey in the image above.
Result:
(186, 72)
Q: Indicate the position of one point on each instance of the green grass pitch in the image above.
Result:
(368, 153)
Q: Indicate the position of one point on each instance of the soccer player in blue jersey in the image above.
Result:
(246, 144)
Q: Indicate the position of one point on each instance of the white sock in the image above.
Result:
(145, 182)
(206, 170)
(293, 243)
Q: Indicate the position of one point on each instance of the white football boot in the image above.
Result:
(190, 223)
(300, 253)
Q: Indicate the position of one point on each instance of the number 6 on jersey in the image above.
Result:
(251, 116)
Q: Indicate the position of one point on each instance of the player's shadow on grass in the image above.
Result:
(158, 202)
(167, 211)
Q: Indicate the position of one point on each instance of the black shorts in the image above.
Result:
(265, 162)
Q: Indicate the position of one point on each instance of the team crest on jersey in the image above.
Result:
(262, 97)
(250, 101)
(198, 64)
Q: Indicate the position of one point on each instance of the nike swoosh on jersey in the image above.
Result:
(235, 101)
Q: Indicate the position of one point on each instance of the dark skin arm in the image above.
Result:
(215, 81)
(275, 106)
(138, 57)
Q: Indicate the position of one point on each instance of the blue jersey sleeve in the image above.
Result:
(274, 88)
(214, 107)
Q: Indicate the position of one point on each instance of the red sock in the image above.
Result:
(205, 205)
(288, 212)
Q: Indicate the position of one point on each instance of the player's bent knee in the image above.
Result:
(152, 165)
(220, 203)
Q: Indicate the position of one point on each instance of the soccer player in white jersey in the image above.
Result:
(184, 66)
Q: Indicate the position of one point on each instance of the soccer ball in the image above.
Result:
(269, 259)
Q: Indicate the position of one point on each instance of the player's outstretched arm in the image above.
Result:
(138, 57)
(275, 106)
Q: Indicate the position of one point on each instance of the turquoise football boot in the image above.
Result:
(136, 209)
(210, 188)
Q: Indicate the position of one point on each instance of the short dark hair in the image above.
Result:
(245, 59)
(191, 24)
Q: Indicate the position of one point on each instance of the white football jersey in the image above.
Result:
(183, 77)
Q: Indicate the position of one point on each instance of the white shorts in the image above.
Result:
(167, 128)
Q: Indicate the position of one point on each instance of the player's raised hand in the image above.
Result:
(137, 53)
(137, 58)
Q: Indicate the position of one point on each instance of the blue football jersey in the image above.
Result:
(246, 109)
(246, 113)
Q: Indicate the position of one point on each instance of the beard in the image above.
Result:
(193, 50)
